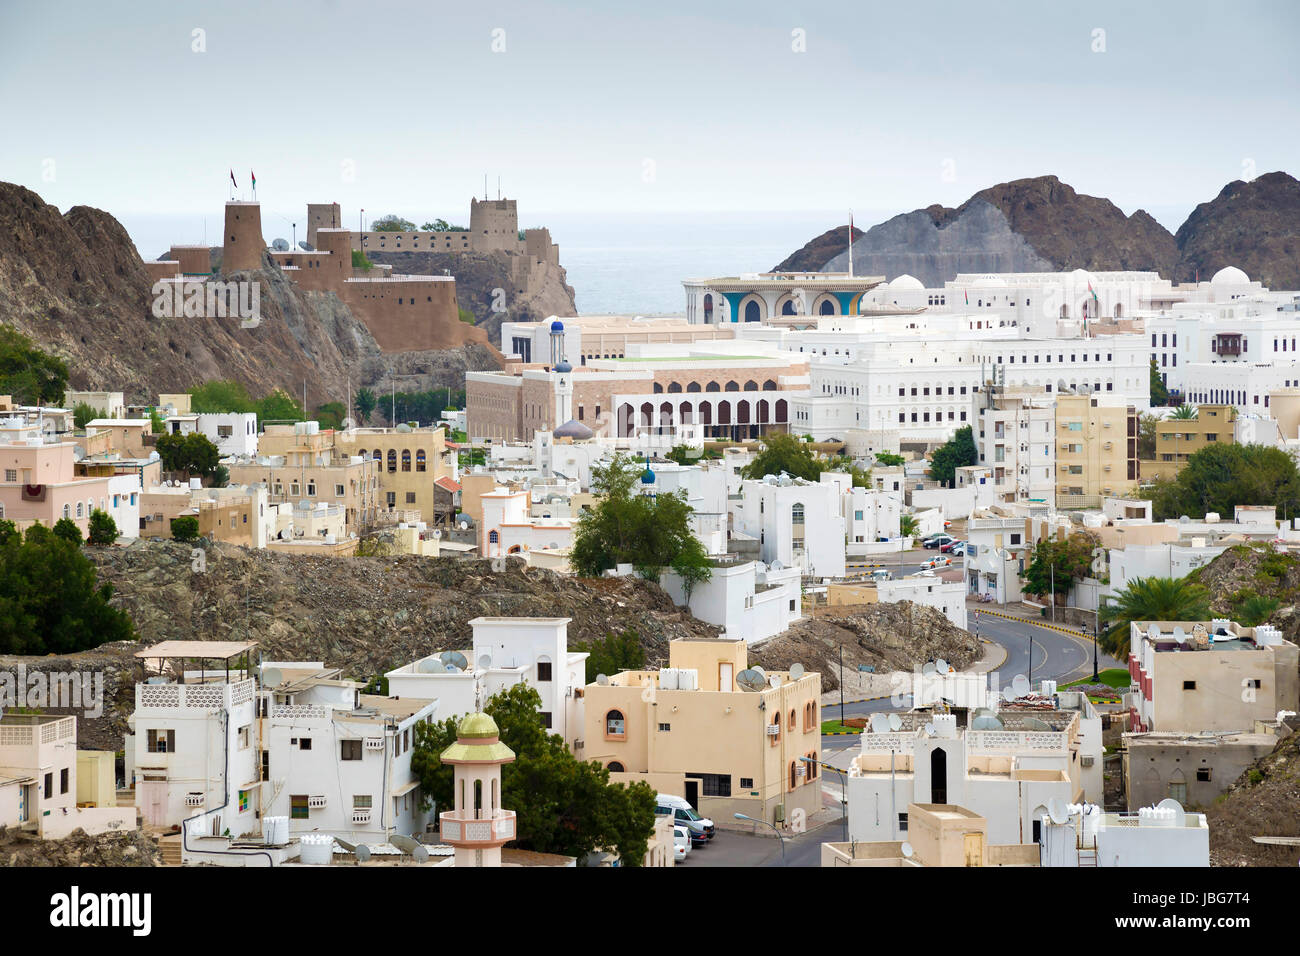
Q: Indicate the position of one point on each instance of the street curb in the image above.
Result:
(1033, 623)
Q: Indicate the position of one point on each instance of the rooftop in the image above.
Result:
(208, 650)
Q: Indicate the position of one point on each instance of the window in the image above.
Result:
(351, 750)
(1189, 685)
(543, 670)
(11, 474)
(298, 809)
(244, 733)
(615, 725)
(746, 783)
(63, 780)
(410, 497)
(304, 743)
(615, 767)
(1203, 775)
(338, 491)
(713, 784)
(362, 801)
(162, 741)
(546, 718)
(902, 822)
(1253, 682)
(665, 728)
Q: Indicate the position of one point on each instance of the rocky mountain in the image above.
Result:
(1261, 802)
(542, 292)
(76, 285)
(1254, 226)
(1042, 224)
(817, 252)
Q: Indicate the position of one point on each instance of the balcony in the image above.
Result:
(477, 826)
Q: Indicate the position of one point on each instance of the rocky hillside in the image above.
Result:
(76, 285)
(817, 252)
(1042, 224)
(1245, 572)
(135, 848)
(888, 636)
(480, 274)
(1254, 226)
(1264, 801)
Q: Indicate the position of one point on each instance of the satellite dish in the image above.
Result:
(1041, 726)
(484, 661)
(895, 723)
(752, 679)
(281, 245)
(602, 680)
(927, 668)
(348, 424)
(272, 677)
(454, 658)
(412, 848)
(796, 671)
(929, 730)
(1153, 632)
(1180, 635)
(429, 666)
(879, 724)
(1020, 685)
(986, 722)
(941, 666)
(306, 246)
(362, 853)
(464, 526)
(907, 850)
(759, 668)
(1057, 810)
(1180, 815)
(775, 680)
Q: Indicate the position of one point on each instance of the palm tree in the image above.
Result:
(907, 526)
(1151, 599)
(1184, 412)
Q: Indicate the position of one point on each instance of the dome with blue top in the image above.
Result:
(557, 326)
(563, 366)
(647, 476)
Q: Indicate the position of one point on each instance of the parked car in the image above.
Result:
(959, 548)
(950, 546)
(681, 843)
(882, 574)
(940, 561)
(701, 828)
(939, 541)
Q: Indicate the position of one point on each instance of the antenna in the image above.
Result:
(752, 679)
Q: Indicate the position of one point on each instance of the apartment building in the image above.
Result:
(797, 523)
(1179, 438)
(1016, 439)
(700, 730)
(408, 462)
(1096, 450)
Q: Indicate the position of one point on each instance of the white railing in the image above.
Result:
(465, 826)
(884, 742)
(299, 711)
(196, 696)
(1012, 741)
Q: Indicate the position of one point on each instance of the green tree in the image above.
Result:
(783, 452)
(67, 529)
(1159, 394)
(465, 315)
(157, 424)
(103, 529)
(223, 395)
(1150, 599)
(1147, 426)
(220, 477)
(330, 415)
(1221, 476)
(612, 653)
(360, 261)
(83, 413)
(1254, 610)
(50, 600)
(1070, 559)
(364, 403)
(185, 528)
(8, 532)
(907, 526)
(27, 373)
(438, 225)
(1184, 412)
(957, 452)
(193, 454)
(561, 804)
(889, 459)
(392, 223)
(279, 406)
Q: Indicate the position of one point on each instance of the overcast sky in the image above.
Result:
(671, 106)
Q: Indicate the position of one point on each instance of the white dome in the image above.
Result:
(990, 282)
(1230, 275)
(905, 282)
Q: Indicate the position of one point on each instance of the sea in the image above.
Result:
(617, 263)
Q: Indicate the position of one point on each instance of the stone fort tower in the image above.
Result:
(494, 225)
(322, 215)
(243, 244)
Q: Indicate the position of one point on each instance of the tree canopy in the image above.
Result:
(649, 532)
(28, 373)
(1072, 560)
(1221, 476)
(561, 804)
(83, 413)
(392, 223)
(613, 653)
(783, 452)
(1150, 599)
(957, 452)
(103, 529)
(194, 454)
(1159, 394)
(226, 395)
(185, 528)
(50, 599)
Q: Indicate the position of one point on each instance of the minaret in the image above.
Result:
(477, 827)
(564, 371)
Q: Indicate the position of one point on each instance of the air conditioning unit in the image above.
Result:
(316, 803)
(1086, 761)
(360, 817)
(194, 799)
(800, 771)
(374, 743)
(579, 744)
(773, 730)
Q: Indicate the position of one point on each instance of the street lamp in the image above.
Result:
(844, 792)
(741, 816)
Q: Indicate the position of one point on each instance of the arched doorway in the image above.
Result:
(708, 307)
(753, 312)
(938, 775)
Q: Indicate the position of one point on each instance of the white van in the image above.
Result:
(683, 814)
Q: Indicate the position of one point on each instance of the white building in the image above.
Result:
(947, 597)
(1154, 836)
(505, 651)
(797, 523)
(1015, 438)
(749, 601)
(509, 528)
(234, 433)
(1008, 773)
(997, 549)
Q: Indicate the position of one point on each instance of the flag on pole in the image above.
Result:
(1094, 293)
(253, 177)
(966, 293)
(850, 242)
(232, 179)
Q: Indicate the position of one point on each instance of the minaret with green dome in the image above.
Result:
(477, 827)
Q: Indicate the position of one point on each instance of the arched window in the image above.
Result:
(769, 386)
(392, 461)
(67, 511)
(658, 389)
(827, 307)
(80, 511)
(675, 387)
(615, 767)
(420, 464)
(406, 459)
(796, 513)
(751, 386)
(791, 720)
(732, 387)
(693, 387)
(493, 537)
(752, 312)
(712, 387)
(794, 775)
(615, 725)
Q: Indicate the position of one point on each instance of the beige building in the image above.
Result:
(1096, 450)
(939, 834)
(1193, 769)
(691, 730)
(1215, 675)
(1178, 438)
(408, 463)
(301, 462)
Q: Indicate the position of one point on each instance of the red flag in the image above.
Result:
(232, 179)
(254, 177)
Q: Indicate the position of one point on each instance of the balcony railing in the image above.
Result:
(477, 826)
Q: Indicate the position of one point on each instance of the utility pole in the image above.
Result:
(841, 685)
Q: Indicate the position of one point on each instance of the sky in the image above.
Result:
(663, 109)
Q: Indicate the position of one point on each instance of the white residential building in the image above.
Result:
(749, 601)
(1015, 437)
(797, 523)
(997, 549)
(234, 433)
(947, 597)
(505, 651)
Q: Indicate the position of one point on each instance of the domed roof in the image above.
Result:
(905, 282)
(990, 282)
(647, 476)
(557, 326)
(573, 429)
(563, 366)
(1230, 275)
(477, 725)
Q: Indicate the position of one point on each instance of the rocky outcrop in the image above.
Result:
(1261, 802)
(76, 285)
(1254, 226)
(132, 848)
(530, 289)
(817, 252)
